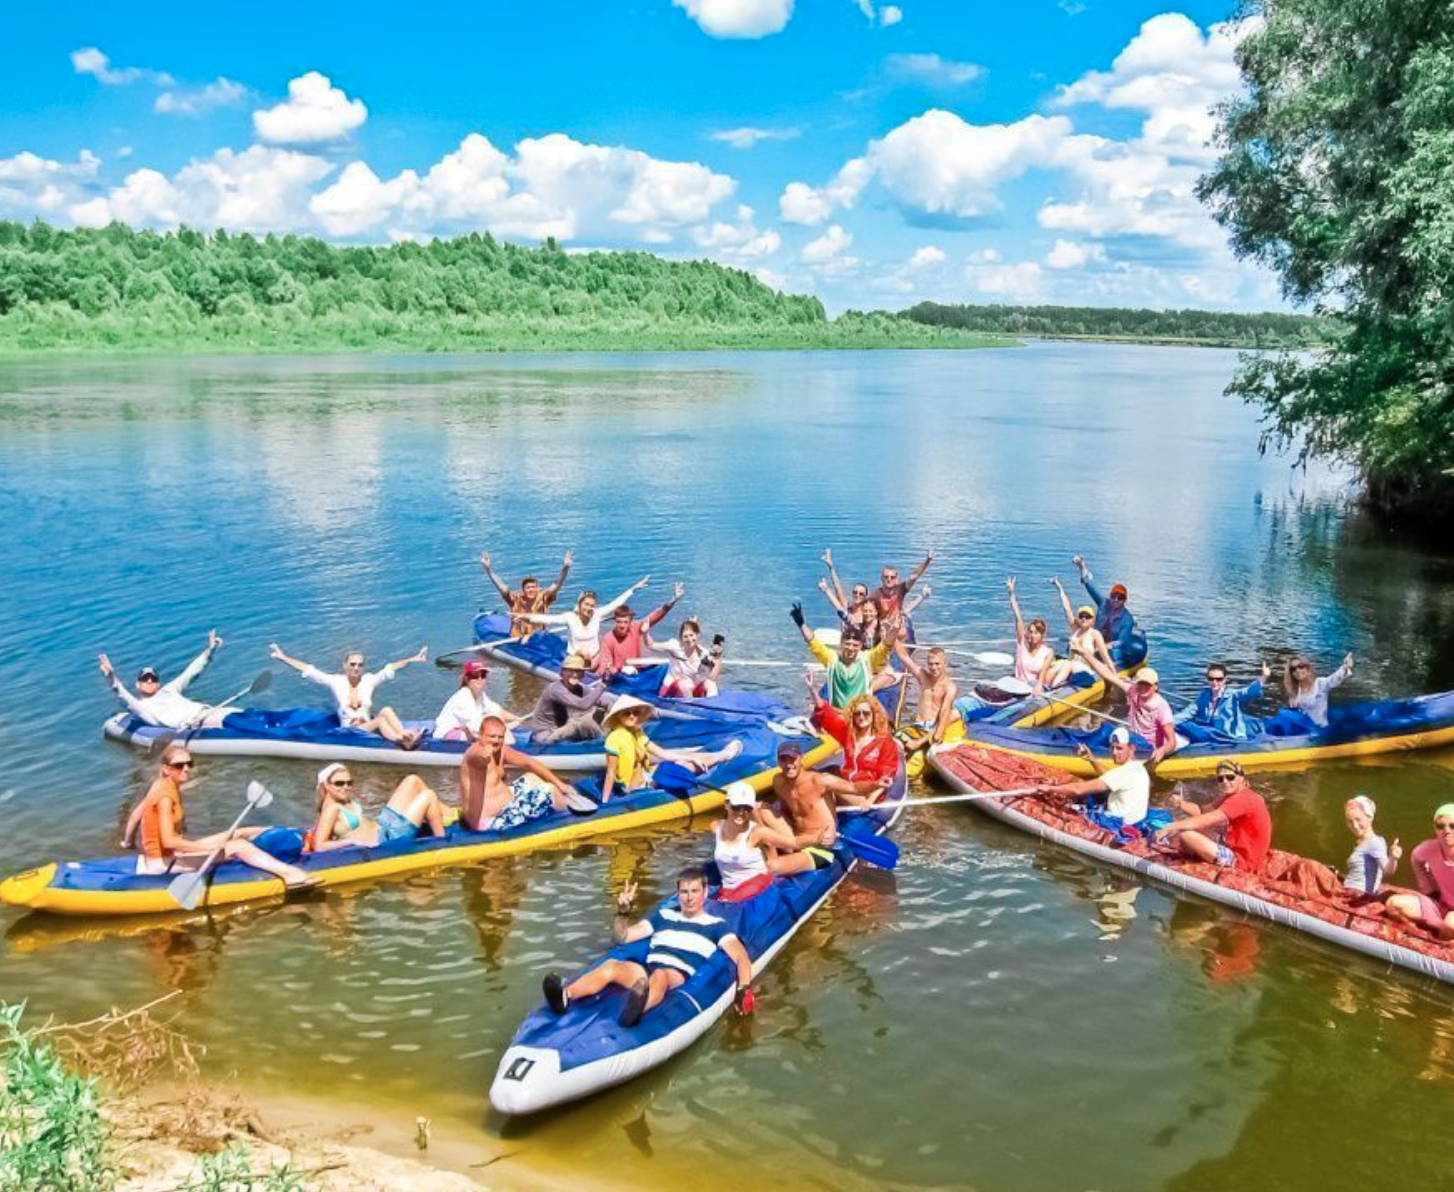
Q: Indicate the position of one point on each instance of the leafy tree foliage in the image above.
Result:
(1093, 322)
(1337, 170)
(117, 288)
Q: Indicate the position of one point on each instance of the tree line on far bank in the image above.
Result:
(1266, 330)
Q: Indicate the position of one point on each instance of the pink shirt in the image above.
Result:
(616, 652)
(1434, 873)
(1150, 717)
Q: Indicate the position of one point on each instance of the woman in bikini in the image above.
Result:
(342, 822)
(1086, 641)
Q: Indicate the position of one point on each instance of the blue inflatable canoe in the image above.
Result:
(553, 1060)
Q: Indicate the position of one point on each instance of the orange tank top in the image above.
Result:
(151, 817)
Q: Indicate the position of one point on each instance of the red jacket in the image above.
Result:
(879, 758)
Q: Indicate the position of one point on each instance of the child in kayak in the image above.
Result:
(343, 824)
(353, 691)
(683, 938)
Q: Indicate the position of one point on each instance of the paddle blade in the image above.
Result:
(258, 795)
(263, 681)
(994, 658)
(186, 891)
(578, 803)
(1012, 686)
(876, 850)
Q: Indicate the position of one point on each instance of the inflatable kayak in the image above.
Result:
(1287, 740)
(554, 1059)
(113, 887)
(318, 736)
(1285, 891)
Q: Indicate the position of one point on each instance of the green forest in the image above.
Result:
(119, 289)
(1213, 328)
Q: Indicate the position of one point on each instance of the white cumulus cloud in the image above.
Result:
(1068, 254)
(315, 111)
(926, 257)
(91, 61)
(1020, 281)
(890, 14)
(832, 243)
(737, 241)
(738, 18)
(199, 101)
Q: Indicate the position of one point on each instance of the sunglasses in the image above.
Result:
(1444, 827)
(343, 782)
(1084, 617)
(186, 765)
(1216, 678)
(1300, 668)
(1228, 777)
(354, 665)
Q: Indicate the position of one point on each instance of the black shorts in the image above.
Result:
(822, 857)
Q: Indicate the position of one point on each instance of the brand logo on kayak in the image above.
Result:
(520, 1069)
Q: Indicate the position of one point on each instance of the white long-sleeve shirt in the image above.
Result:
(463, 711)
(582, 637)
(355, 704)
(169, 708)
(1313, 703)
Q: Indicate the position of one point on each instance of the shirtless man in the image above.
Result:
(488, 801)
(937, 693)
(531, 598)
(807, 813)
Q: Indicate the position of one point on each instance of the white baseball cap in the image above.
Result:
(1120, 736)
(740, 794)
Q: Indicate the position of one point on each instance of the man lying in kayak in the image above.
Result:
(682, 939)
(530, 598)
(163, 704)
(488, 800)
(160, 818)
(569, 709)
(807, 813)
(1126, 784)
(353, 692)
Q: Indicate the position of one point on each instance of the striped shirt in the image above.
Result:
(682, 943)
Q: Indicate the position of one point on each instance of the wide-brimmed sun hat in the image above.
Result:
(626, 704)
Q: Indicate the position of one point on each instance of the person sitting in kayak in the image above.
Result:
(803, 796)
(691, 671)
(1113, 619)
(1034, 656)
(628, 637)
(163, 704)
(1219, 707)
(937, 721)
(1126, 783)
(530, 598)
(160, 818)
(1431, 905)
(342, 823)
(1307, 692)
(683, 938)
(862, 732)
(630, 752)
(1372, 860)
(1086, 641)
(459, 719)
(850, 670)
(1234, 833)
(583, 623)
(748, 852)
(569, 709)
(488, 800)
(353, 691)
(891, 593)
(1148, 714)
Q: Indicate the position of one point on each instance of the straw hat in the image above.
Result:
(625, 704)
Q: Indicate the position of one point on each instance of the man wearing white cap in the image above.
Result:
(1126, 784)
(164, 705)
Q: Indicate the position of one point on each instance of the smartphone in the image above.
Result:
(718, 641)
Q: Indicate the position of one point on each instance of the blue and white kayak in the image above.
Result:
(555, 1059)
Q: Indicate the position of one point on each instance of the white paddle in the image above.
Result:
(187, 890)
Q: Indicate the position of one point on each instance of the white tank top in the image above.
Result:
(739, 860)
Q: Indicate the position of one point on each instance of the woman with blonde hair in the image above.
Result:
(1372, 859)
(1306, 692)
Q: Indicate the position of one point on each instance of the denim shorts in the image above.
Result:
(395, 826)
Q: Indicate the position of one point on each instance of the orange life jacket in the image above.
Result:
(151, 817)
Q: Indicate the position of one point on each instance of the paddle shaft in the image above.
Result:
(938, 799)
(259, 683)
(447, 658)
(183, 890)
(1055, 699)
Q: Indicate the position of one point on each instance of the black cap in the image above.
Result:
(148, 672)
(789, 749)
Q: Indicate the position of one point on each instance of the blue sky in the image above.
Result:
(873, 154)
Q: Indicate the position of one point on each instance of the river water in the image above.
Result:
(995, 1014)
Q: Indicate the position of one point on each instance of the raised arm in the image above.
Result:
(547, 618)
(403, 662)
(816, 648)
(659, 612)
(275, 652)
(1065, 603)
(197, 665)
(133, 705)
(1015, 608)
(838, 606)
(913, 602)
(918, 573)
(1340, 676)
(565, 564)
(612, 605)
(500, 585)
(908, 662)
(842, 602)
